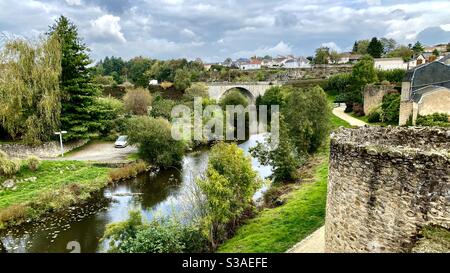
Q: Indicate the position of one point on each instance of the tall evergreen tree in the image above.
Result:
(78, 94)
(375, 48)
(355, 47)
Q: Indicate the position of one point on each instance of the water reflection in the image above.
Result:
(152, 194)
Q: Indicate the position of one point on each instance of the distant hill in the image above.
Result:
(433, 36)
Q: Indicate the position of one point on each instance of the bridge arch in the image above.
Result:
(244, 91)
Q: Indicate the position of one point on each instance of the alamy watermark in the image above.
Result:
(213, 123)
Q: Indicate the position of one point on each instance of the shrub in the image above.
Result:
(162, 108)
(229, 186)
(137, 101)
(16, 213)
(158, 236)
(8, 167)
(33, 163)
(338, 84)
(374, 115)
(129, 171)
(197, 90)
(436, 119)
(391, 108)
(394, 76)
(182, 79)
(154, 138)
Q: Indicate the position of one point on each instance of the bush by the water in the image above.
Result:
(229, 186)
(157, 236)
(129, 171)
(8, 167)
(155, 142)
(162, 108)
(436, 119)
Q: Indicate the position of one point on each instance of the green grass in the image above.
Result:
(277, 230)
(58, 184)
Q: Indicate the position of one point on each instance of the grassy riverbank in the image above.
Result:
(277, 229)
(54, 186)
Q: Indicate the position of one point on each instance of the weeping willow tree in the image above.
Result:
(30, 102)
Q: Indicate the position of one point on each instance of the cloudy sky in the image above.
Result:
(216, 29)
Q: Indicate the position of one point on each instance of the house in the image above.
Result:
(300, 62)
(153, 82)
(426, 57)
(441, 48)
(251, 65)
(393, 63)
(425, 91)
(348, 57)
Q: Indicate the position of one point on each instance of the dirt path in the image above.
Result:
(339, 112)
(101, 152)
(314, 243)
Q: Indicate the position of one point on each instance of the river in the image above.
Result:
(81, 228)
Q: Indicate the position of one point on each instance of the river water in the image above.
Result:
(81, 228)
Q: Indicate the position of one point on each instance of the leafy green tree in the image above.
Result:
(275, 95)
(362, 73)
(229, 186)
(182, 79)
(162, 108)
(137, 68)
(335, 57)
(78, 94)
(418, 48)
(389, 44)
(322, 55)
(355, 47)
(30, 96)
(154, 139)
(403, 52)
(103, 80)
(362, 47)
(107, 111)
(375, 48)
(283, 159)
(436, 53)
(390, 108)
(307, 115)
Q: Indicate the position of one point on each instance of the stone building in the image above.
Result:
(385, 185)
(425, 91)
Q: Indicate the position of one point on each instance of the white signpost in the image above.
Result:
(61, 141)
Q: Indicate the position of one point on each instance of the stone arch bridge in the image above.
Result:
(250, 89)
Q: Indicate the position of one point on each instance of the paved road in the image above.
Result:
(339, 112)
(101, 152)
(314, 243)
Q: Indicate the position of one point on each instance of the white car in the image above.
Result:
(121, 142)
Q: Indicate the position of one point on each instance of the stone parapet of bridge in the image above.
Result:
(252, 90)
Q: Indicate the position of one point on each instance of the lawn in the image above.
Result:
(278, 229)
(57, 184)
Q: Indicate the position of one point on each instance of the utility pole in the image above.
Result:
(61, 141)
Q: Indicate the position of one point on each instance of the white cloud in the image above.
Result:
(281, 48)
(107, 27)
(74, 2)
(445, 27)
(332, 46)
(187, 32)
